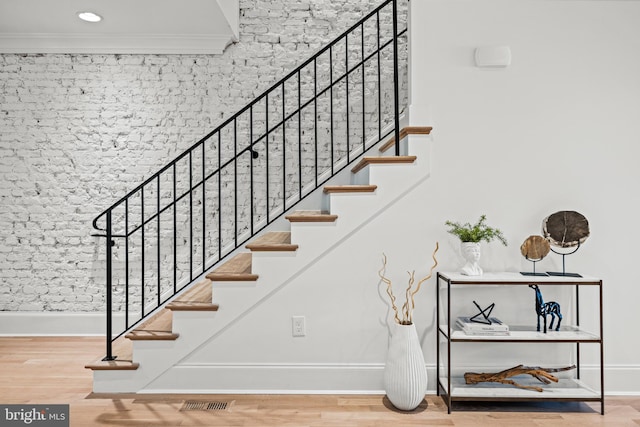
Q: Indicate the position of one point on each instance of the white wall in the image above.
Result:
(557, 130)
(554, 131)
(77, 132)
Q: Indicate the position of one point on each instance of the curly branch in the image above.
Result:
(389, 288)
(406, 307)
(435, 263)
(409, 305)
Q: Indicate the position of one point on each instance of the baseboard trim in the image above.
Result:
(270, 378)
(256, 378)
(620, 380)
(264, 391)
(31, 323)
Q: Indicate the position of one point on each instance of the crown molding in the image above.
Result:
(115, 44)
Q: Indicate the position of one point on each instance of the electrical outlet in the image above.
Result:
(298, 326)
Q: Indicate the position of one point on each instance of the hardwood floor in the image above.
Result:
(51, 371)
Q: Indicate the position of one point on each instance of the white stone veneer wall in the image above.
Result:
(77, 132)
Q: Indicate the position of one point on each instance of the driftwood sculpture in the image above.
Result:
(541, 374)
(409, 305)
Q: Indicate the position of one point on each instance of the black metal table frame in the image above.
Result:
(445, 392)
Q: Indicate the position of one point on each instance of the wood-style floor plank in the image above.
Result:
(51, 371)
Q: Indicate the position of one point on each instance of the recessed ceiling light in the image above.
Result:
(89, 16)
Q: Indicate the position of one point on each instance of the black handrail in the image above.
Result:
(134, 202)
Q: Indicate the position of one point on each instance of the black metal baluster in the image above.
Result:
(299, 139)
(331, 103)
(379, 81)
(190, 215)
(109, 278)
(315, 114)
(284, 154)
(364, 132)
(219, 195)
(126, 263)
(142, 245)
(395, 78)
(346, 69)
(266, 142)
(235, 181)
(204, 210)
(158, 239)
(251, 157)
(175, 231)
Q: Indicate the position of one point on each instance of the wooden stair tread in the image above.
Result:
(382, 160)
(237, 268)
(160, 321)
(409, 130)
(192, 306)
(311, 216)
(113, 365)
(159, 327)
(151, 335)
(198, 298)
(200, 292)
(123, 349)
(274, 241)
(349, 189)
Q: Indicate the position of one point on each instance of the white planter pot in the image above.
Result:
(405, 374)
(471, 254)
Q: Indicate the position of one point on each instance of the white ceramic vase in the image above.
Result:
(405, 374)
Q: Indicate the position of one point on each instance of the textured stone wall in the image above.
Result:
(77, 132)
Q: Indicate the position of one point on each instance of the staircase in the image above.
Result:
(150, 356)
(254, 204)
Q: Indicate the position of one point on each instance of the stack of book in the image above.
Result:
(496, 327)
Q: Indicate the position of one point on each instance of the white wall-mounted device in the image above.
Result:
(493, 57)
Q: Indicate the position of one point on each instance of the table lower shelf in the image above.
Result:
(564, 389)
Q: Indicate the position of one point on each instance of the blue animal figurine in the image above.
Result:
(544, 309)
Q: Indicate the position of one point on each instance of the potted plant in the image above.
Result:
(470, 237)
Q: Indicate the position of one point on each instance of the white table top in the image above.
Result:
(514, 277)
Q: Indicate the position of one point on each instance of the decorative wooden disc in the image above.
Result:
(535, 248)
(565, 229)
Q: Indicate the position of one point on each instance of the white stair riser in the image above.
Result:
(274, 264)
(235, 285)
(117, 381)
(321, 234)
(352, 207)
(193, 325)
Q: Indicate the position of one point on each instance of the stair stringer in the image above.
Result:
(276, 270)
(154, 357)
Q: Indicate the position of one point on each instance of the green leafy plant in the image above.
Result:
(477, 232)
